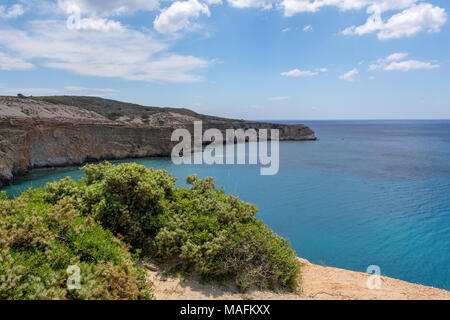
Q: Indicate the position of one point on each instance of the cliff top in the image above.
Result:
(116, 109)
(30, 108)
(94, 109)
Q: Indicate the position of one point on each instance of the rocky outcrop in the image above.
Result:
(36, 134)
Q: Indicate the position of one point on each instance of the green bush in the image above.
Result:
(217, 235)
(204, 230)
(114, 115)
(40, 240)
(123, 198)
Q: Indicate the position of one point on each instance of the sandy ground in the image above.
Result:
(318, 283)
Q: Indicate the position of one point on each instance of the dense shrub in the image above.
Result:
(40, 240)
(123, 198)
(114, 115)
(201, 228)
(218, 236)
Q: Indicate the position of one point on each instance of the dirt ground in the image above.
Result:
(318, 283)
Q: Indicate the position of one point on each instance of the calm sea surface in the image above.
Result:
(367, 193)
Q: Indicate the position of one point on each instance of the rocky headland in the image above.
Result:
(37, 132)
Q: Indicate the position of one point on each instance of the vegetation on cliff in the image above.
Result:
(117, 215)
(115, 109)
(40, 240)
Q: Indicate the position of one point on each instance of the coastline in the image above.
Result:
(38, 143)
(318, 283)
(41, 134)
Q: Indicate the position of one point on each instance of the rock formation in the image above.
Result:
(60, 131)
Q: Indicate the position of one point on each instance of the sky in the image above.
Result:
(245, 59)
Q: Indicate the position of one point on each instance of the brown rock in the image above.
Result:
(35, 133)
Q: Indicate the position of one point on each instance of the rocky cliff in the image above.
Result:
(59, 131)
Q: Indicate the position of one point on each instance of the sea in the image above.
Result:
(365, 193)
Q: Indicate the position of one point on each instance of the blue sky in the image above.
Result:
(251, 59)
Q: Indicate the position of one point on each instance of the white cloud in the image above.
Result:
(350, 76)
(97, 91)
(279, 98)
(382, 63)
(416, 16)
(286, 30)
(308, 28)
(263, 4)
(13, 63)
(130, 54)
(299, 73)
(108, 7)
(410, 65)
(214, 2)
(396, 56)
(179, 16)
(13, 11)
(422, 17)
(292, 7)
(106, 90)
(173, 68)
(74, 10)
(30, 91)
(75, 88)
(394, 62)
(323, 69)
(98, 24)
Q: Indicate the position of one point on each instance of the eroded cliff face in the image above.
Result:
(33, 138)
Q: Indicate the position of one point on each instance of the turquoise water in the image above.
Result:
(367, 193)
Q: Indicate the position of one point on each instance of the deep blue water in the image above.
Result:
(367, 193)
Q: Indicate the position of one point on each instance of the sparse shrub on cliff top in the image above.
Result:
(127, 198)
(212, 233)
(114, 115)
(123, 198)
(217, 235)
(40, 240)
(207, 231)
